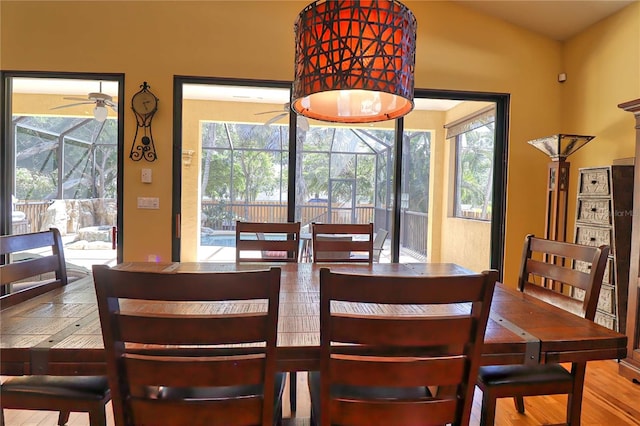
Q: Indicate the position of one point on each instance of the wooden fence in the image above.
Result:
(223, 215)
(35, 212)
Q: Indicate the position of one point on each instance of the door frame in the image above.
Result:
(7, 148)
(499, 195)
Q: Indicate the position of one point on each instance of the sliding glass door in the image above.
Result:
(245, 156)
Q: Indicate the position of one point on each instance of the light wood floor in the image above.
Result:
(609, 400)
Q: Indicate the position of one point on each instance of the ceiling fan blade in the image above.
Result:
(276, 118)
(77, 99)
(303, 123)
(113, 105)
(267, 112)
(72, 105)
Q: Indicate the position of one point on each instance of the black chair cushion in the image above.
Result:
(497, 375)
(226, 392)
(383, 393)
(78, 387)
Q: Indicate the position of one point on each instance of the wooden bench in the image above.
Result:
(22, 278)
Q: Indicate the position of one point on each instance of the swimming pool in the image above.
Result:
(218, 240)
(229, 240)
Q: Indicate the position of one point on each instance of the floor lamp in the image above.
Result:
(558, 147)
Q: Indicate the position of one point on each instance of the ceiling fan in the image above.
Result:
(101, 100)
(303, 123)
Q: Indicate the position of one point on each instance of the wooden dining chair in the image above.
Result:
(31, 275)
(66, 394)
(276, 242)
(191, 348)
(342, 242)
(416, 365)
(550, 271)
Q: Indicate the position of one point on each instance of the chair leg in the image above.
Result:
(519, 401)
(1, 416)
(312, 421)
(293, 390)
(63, 418)
(97, 417)
(488, 410)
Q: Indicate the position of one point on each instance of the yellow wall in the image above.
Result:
(457, 49)
(603, 70)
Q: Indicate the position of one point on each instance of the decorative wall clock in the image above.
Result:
(144, 105)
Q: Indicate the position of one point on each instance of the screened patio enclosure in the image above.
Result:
(341, 172)
(65, 174)
(343, 175)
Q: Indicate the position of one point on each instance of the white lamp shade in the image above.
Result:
(100, 113)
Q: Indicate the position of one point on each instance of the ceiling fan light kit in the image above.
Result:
(100, 112)
(354, 61)
(101, 101)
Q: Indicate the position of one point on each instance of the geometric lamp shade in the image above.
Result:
(354, 61)
(560, 146)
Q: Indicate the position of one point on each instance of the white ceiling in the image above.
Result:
(557, 19)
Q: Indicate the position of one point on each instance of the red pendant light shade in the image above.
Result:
(354, 61)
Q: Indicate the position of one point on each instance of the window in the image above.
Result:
(474, 150)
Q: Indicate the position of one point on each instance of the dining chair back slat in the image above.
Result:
(342, 242)
(175, 356)
(377, 369)
(551, 271)
(274, 241)
(217, 329)
(210, 371)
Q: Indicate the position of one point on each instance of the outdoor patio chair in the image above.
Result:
(342, 242)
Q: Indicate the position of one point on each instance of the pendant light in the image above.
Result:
(354, 61)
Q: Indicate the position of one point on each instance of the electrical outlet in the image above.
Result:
(148, 203)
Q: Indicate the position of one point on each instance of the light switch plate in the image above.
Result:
(146, 176)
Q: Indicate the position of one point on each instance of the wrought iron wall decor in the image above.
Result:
(354, 61)
(144, 105)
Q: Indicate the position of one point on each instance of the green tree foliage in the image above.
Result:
(475, 168)
(243, 161)
(33, 185)
(415, 170)
(89, 157)
(240, 160)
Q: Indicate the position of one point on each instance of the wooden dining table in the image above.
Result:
(59, 332)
